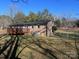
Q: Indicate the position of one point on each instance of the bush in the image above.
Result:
(77, 23)
(54, 28)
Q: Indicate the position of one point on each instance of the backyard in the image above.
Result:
(42, 47)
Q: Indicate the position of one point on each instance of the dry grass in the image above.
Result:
(60, 47)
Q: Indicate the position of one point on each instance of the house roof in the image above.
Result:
(38, 22)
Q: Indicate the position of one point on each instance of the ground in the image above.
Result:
(54, 47)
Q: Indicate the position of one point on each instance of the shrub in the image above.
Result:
(54, 28)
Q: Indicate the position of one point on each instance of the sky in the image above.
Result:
(67, 8)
